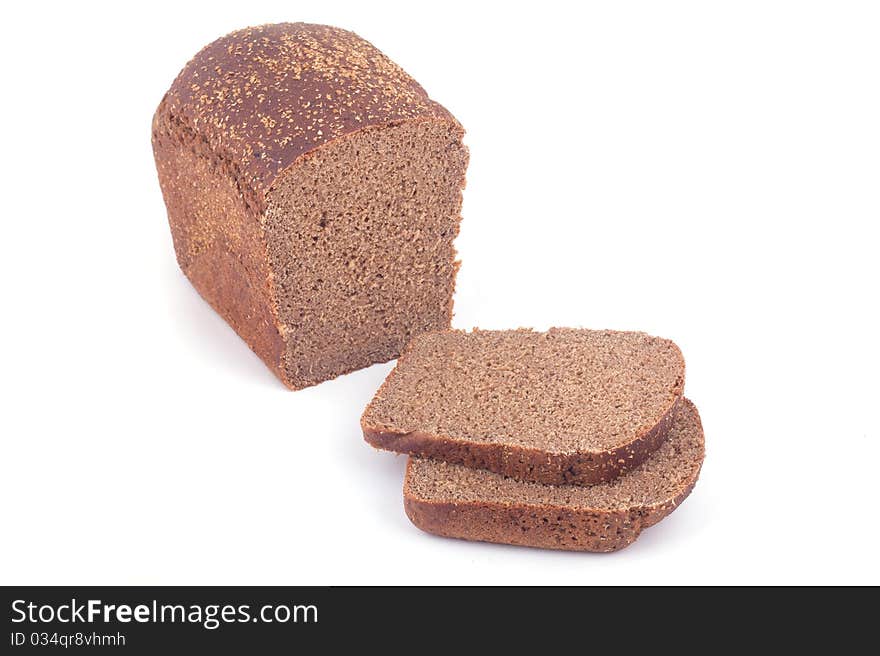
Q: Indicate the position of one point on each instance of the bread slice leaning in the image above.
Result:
(567, 406)
(459, 502)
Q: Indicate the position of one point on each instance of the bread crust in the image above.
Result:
(262, 97)
(218, 242)
(241, 113)
(544, 527)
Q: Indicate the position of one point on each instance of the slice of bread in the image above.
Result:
(459, 502)
(567, 406)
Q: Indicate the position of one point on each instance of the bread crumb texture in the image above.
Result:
(562, 391)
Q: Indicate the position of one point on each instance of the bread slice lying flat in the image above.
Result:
(459, 502)
(565, 406)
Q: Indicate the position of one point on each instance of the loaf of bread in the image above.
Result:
(459, 502)
(567, 406)
(314, 192)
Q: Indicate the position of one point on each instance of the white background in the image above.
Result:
(708, 172)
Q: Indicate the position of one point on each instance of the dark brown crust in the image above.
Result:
(548, 527)
(264, 96)
(533, 465)
(236, 117)
(218, 245)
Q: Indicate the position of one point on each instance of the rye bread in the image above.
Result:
(313, 192)
(459, 502)
(567, 406)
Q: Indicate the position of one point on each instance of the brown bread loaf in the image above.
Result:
(459, 502)
(565, 406)
(314, 192)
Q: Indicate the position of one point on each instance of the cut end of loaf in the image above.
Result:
(456, 501)
(360, 236)
(313, 192)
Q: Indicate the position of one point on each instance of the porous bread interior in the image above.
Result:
(659, 480)
(360, 242)
(563, 391)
